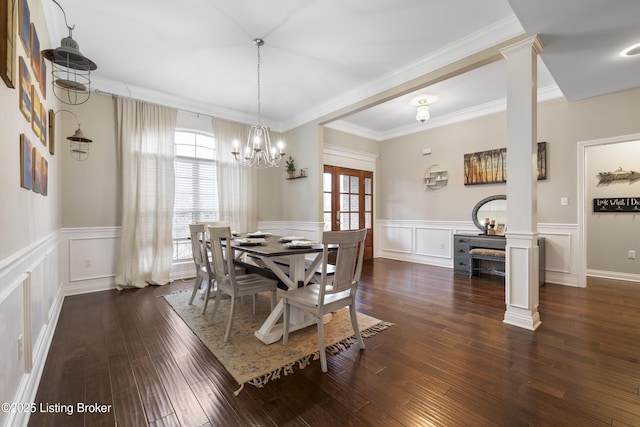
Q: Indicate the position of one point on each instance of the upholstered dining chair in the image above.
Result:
(335, 290)
(204, 271)
(226, 279)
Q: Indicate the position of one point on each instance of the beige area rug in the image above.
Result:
(249, 360)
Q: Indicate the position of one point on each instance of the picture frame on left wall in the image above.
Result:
(26, 173)
(24, 28)
(7, 44)
(25, 90)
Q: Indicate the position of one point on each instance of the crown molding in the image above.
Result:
(546, 93)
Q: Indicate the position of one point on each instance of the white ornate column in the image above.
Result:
(521, 284)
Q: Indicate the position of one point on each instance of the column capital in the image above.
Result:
(532, 42)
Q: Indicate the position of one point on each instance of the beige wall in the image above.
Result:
(26, 217)
(91, 188)
(280, 199)
(609, 235)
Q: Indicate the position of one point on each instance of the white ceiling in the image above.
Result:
(324, 55)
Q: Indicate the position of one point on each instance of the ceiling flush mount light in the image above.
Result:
(79, 146)
(422, 103)
(258, 151)
(71, 70)
(631, 51)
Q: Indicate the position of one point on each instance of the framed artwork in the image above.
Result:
(36, 56)
(490, 167)
(7, 43)
(24, 29)
(25, 90)
(43, 78)
(44, 129)
(52, 132)
(36, 112)
(485, 167)
(26, 175)
(37, 171)
(44, 177)
(501, 227)
(542, 160)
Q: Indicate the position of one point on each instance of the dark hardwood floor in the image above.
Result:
(448, 361)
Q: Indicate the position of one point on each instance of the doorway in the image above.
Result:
(348, 201)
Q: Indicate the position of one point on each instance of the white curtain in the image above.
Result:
(237, 185)
(146, 154)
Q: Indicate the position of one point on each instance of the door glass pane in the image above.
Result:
(344, 202)
(367, 203)
(367, 220)
(326, 202)
(353, 206)
(326, 182)
(344, 183)
(355, 185)
(344, 221)
(367, 186)
(355, 220)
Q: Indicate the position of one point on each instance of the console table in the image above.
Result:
(463, 243)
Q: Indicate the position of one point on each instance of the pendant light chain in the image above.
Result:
(258, 43)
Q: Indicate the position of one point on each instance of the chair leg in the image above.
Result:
(196, 286)
(354, 324)
(206, 295)
(273, 299)
(285, 322)
(254, 304)
(323, 353)
(232, 312)
(216, 303)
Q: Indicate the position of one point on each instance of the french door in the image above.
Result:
(348, 202)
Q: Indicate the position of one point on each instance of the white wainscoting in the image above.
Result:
(30, 301)
(431, 242)
(89, 258)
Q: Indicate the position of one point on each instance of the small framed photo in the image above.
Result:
(501, 227)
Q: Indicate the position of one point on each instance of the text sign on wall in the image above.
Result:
(617, 204)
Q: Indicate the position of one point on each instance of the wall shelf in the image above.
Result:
(436, 177)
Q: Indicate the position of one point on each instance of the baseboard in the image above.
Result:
(629, 277)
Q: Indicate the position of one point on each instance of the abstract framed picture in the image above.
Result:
(36, 56)
(7, 44)
(24, 29)
(43, 78)
(490, 167)
(52, 132)
(26, 174)
(37, 170)
(36, 112)
(25, 90)
(485, 167)
(44, 129)
(44, 177)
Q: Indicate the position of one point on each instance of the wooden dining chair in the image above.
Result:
(227, 280)
(335, 290)
(204, 270)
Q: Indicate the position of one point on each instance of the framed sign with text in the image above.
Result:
(617, 204)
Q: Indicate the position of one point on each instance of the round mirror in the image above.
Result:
(493, 208)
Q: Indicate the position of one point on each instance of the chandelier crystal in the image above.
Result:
(258, 152)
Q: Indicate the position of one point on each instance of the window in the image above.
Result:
(196, 196)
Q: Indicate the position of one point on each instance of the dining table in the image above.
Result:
(294, 260)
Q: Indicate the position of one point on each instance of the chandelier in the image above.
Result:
(71, 70)
(258, 151)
